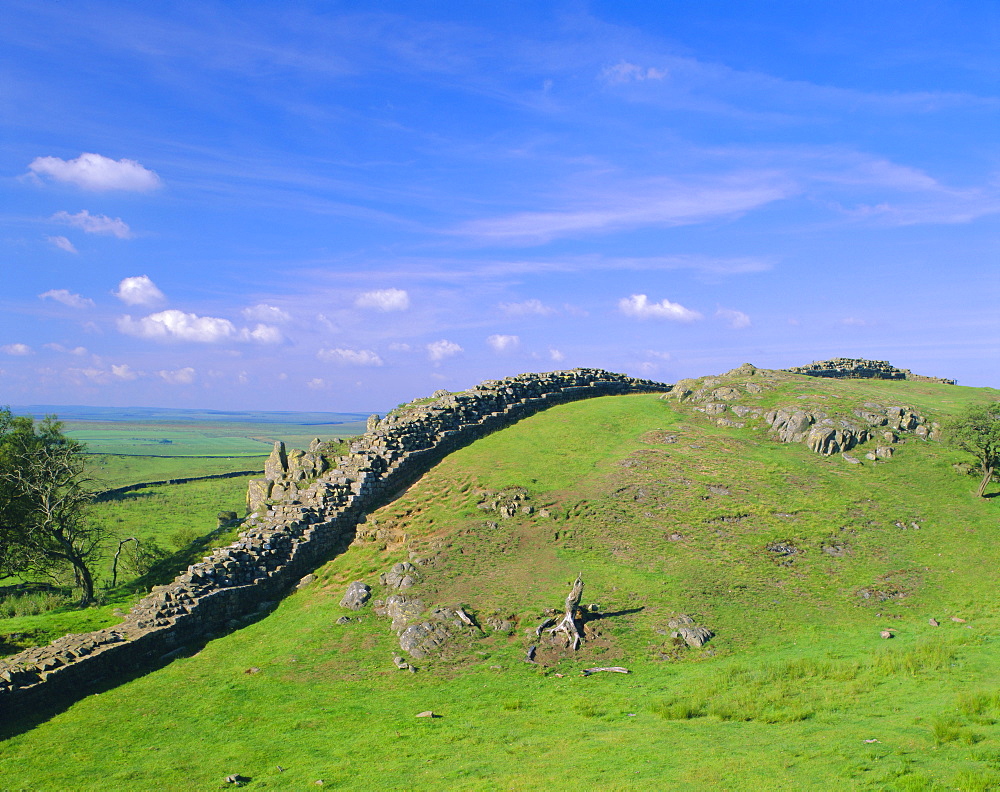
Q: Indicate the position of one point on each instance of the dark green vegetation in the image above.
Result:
(44, 495)
(977, 431)
(796, 562)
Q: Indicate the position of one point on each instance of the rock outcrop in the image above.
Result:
(856, 368)
(735, 394)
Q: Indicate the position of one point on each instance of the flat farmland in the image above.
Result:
(199, 438)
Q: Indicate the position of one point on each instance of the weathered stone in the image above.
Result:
(401, 576)
(277, 463)
(695, 636)
(358, 593)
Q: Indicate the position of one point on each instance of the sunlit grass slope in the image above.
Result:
(664, 514)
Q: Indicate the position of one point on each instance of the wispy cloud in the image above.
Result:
(16, 350)
(262, 312)
(737, 320)
(384, 300)
(97, 172)
(625, 72)
(638, 306)
(655, 202)
(66, 297)
(63, 243)
(182, 376)
(532, 307)
(95, 224)
(350, 357)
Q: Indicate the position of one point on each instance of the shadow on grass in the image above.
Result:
(589, 617)
(23, 718)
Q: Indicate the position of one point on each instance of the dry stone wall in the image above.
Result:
(857, 368)
(305, 508)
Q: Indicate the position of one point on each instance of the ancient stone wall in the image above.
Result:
(856, 368)
(305, 509)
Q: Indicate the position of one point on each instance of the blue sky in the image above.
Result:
(343, 206)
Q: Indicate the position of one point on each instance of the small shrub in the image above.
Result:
(184, 537)
(30, 604)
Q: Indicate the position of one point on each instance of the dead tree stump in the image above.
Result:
(567, 625)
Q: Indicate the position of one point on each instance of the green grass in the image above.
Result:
(117, 470)
(199, 438)
(795, 691)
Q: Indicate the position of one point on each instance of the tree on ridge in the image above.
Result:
(977, 430)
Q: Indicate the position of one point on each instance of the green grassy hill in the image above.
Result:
(796, 563)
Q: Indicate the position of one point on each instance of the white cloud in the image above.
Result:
(556, 355)
(853, 321)
(174, 324)
(139, 290)
(384, 300)
(316, 384)
(95, 224)
(96, 172)
(399, 347)
(78, 351)
(243, 378)
(262, 312)
(439, 350)
(527, 308)
(638, 306)
(184, 376)
(261, 334)
(735, 319)
(66, 297)
(350, 357)
(123, 372)
(324, 320)
(625, 72)
(658, 355)
(503, 343)
(17, 350)
(63, 244)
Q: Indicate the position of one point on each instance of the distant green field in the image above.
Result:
(199, 438)
(113, 470)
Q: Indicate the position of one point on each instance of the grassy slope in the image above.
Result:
(785, 696)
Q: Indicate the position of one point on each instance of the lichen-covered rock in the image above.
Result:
(402, 576)
(357, 594)
(277, 463)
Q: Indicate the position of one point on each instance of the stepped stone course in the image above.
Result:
(307, 506)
